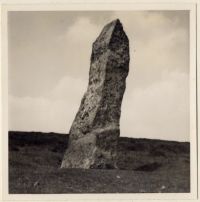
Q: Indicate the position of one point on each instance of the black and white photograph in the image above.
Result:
(99, 101)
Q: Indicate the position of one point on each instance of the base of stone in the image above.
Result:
(93, 151)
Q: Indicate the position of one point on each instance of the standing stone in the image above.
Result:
(93, 136)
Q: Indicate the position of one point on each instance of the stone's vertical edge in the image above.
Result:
(95, 130)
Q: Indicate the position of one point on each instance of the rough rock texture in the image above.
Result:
(95, 130)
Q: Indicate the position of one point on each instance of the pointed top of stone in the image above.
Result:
(112, 37)
(109, 30)
(114, 23)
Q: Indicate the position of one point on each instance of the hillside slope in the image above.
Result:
(144, 166)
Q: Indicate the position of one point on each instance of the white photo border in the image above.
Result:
(39, 5)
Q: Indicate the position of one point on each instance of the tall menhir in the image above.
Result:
(94, 134)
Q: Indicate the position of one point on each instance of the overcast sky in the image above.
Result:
(49, 59)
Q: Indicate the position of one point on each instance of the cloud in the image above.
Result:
(39, 56)
(53, 113)
(160, 111)
(39, 114)
(78, 46)
(69, 89)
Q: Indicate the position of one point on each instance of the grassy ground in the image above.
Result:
(144, 166)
